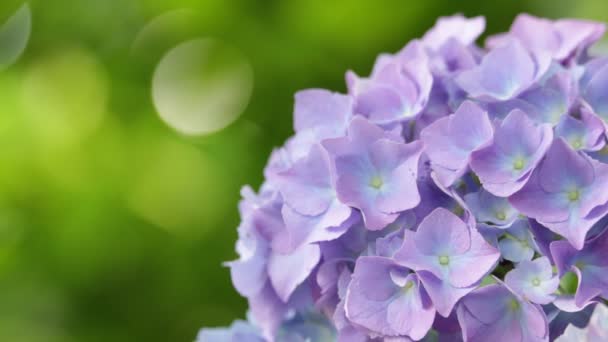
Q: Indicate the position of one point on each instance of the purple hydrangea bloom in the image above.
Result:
(239, 331)
(566, 193)
(560, 39)
(388, 300)
(441, 251)
(458, 193)
(589, 264)
(584, 133)
(449, 141)
(398, 88)
(591, 326)
(505, 166)
(464, 30)
(491, 209)
(517, 242)
(533, 280)
(505, 72)
(494, 313)
(373, 170)
(311, 210)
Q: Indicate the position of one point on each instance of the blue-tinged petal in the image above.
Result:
(595, 92)
(491, 209)
(589, 264)
(517, 242)
(504, 73)
(446, 247)
(505, 166)
(585, 133)
(533, 280)
(239, 331)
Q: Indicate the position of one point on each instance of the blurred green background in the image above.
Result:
(113, 226)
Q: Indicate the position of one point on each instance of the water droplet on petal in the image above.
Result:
(201, 86)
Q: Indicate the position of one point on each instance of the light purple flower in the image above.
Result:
(388, 300)
(287, 271)
(505, 166)
(547, 101)
(584, 133)
(319, 109)
(373, 172)
(561, 39)
(533, 280)
(559, 320)
(596, 329)
(505, 72)
(443, 251)
(430, 202)
(517, 242)
(318, 114)
(491, 209)
(259, 265)
(450, 141)
(464, 30)
(311, 210)
(398, 88)
(593, 87)
(239, 331)
(589, 264)
(493, 313)
(567, 193)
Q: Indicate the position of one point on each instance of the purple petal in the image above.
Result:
(481, 254)
(449, 141)
(504, 73)
(533, 280)
(442, 233)
(306, 186)
(505, 166)
(465, 30)
(378, 303)
(287, 271)
(443, 295)
(321, 108)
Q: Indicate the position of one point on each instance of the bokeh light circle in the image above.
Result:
(65, 94)
(14, 36)
(201, 86)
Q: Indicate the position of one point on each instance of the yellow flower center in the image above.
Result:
(513, 304)
(573, 195)
(501, 215)
(518, 164)
(536, 282)
(376, 182)
(444, 260)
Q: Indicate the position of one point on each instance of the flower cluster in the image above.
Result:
(457, 193)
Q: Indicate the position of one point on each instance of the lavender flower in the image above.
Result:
(436, 199)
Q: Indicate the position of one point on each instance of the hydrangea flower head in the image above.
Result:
(457, 193)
